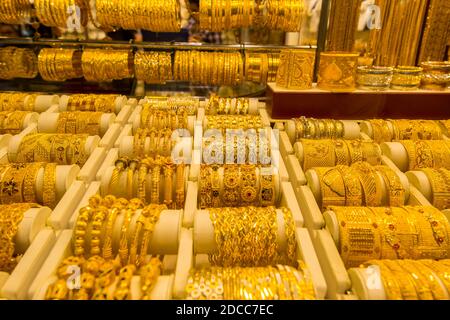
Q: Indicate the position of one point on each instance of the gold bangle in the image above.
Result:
(49, 187)
(331, 186)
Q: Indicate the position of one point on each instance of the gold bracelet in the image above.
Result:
(332, 187)
(49, 186)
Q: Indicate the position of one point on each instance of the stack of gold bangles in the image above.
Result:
(296, 69)
(328, 153)
(102, 263)
(18, 183)
(59, 64)
(224, 106)
(12, 122)
(188, 104)
(310, 128)
(18, 63)
(286, 16)
(153, 66)
(152, 142)
(261, 67)
(440, 187)
(413, 279)
(11, 216)
(427, 153)
(107, 64)
(56, 13)
(388, 130)
(15, 11)
(243, 185)
(225, 15)
(360, 184)
(224, 122)
(92, 102)
(209, 68)
(261, 283)
(156, 16)
(62, 149)
(260, 246)
(79, 122)
(17, 101)
(158, 118)
(159, 181)
(367, 233)
(249, 148)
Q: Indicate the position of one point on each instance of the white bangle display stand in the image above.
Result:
(284, 197)
(43, 102)
(120, 102)
(33, 241)
(165, 241)
(200, 241)
(48, 123)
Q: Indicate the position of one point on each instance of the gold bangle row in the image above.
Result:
(285, 16)
(367, 233)
(160, 119)
(225, 122)
(440, 187)
(103, 279)
(427, 153)
(153, 66)
(107, 64)
(79, 122)
(227, 106)
(149, 173)
(63, 149)
(15, 101)
(243, 185)
(262, 67)
(208, 68)
(18, 63)
(10, 217)
(59, 64)
(95, 224)
(12, 122)
(413, 279)
(18, 183)
(258, 283)
(302, 61)
(92, 102)
(216, 16)
(160, 143)
(56, 13)
(359, 184)
(260, 246)
(156, 16)
(310, 128)
(416, 130)
(15, 11)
